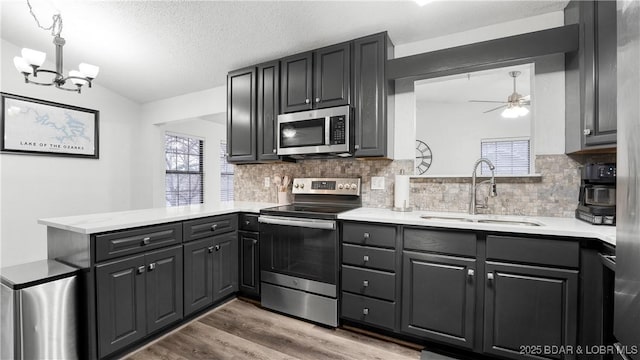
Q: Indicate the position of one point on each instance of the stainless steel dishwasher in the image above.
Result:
(39, 311)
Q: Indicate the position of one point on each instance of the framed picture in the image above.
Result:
(38, 127)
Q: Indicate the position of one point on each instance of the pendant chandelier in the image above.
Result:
(31, 60)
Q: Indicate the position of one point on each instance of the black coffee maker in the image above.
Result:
(597, 199)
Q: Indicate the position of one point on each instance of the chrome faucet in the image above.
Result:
(492, 192)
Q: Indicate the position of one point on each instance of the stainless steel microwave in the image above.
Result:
(316, 132)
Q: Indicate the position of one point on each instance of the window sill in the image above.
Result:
(529, 178)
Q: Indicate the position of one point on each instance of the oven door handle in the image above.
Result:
(289, 221)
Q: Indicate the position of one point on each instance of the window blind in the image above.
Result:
(184, 174)
(510, 157)
(226, 175)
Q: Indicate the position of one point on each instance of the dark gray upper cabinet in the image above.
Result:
(225, 265)
(163, 287)
(241, 115)
(249, 263)
(438, 297)
(268, 109)
(370, 92)
(198, 275)
(316, 79)
(527, 305)
(120, 303)
(591, 77)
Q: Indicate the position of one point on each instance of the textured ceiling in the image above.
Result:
(151, 50)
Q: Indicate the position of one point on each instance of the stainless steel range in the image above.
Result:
(299, 252)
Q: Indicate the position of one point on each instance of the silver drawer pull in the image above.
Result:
(217, 247)
(140, 269)
(306, 101)
(152, 266)
(210, 248)
(317, 100)
(490, 277)
(247, 222)
(365, 258)
(365, 311)
(255, 241)
(365, 283)
(146, 241)
(366, 235)
(213, 227)
(470, 273)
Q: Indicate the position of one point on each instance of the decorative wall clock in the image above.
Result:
(423, 157)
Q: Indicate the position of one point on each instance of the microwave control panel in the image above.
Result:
(338, 128)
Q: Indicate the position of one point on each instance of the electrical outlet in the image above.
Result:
(377, 183)
(267, 181)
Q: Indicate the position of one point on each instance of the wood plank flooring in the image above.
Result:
(242, 330)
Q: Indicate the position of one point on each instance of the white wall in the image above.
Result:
(550, 86)
(36, 187)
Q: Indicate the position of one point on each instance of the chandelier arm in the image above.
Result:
(60, 86)
(29, 81)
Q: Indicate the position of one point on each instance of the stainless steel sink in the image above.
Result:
(509, 222)
(446, 218)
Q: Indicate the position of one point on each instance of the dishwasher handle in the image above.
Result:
(298, 222)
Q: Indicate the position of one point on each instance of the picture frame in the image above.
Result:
(31, 126)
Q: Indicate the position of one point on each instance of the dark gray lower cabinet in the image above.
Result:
(198, 275)
(225, 265)
(249, 263)
(438, 297)
(136, 296)
(527, 306)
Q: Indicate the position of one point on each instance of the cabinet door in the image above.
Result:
(249, 263)
(332, 76)
(164, 287)
(198, 275)
(370, 95)
(225, 265)
(268, 109)
(529, 305)
(296, 91)
(603, 123)
(120, 299)
(438, 297)
(241, 115)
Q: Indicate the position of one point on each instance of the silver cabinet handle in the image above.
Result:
(365, 311)
(140, 269)
(365, 258)
(217, 247)
(356, 147)
(306, 101)
(470, 273)
(213, 227)
(317, 100)
(210, 248)
(247, 222)
(255, 241)
(366, 235)
(275, 151)
(146, 241)
(152, 266)
(490, 277)
(365, 283)
(587, 132)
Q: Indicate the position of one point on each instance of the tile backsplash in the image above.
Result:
(555, 193)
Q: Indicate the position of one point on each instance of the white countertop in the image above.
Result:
(568, 227)
(96, 223)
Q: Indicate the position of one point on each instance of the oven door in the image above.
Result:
(299, 248)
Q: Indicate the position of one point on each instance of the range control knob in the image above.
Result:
(340, 186)
(295, 186)
(302, 186)
(354, 186)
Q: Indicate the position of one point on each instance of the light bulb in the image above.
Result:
(510, 113)
(33, 57)
(90, 71)
(522, 111)
(76, 73)
(22, 65)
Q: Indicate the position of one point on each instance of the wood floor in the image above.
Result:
(242, 330)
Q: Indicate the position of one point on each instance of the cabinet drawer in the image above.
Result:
(369, 257)
(445, 242)
(367, 234)
(372, 311)
(115, 244)
(249, 222)
(373, 283)
(535, 251)
(210, 226)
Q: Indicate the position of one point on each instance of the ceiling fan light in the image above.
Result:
(74, 75)
(522, 111)
(22, 65)
(33, 57)
(509, 113)
(88, 70)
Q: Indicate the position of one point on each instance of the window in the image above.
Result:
(184, 170)
(509, 156)
(226, 175)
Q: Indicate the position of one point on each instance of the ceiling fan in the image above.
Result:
(514, 104)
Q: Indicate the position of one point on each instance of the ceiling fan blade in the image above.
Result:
(494, 109)
(527, 97)
(526, 102)
(488, 101)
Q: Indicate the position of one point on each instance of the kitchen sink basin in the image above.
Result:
(509, 222)
(515, 222)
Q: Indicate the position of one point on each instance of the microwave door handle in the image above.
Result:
(327, 130)
(308, 223)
